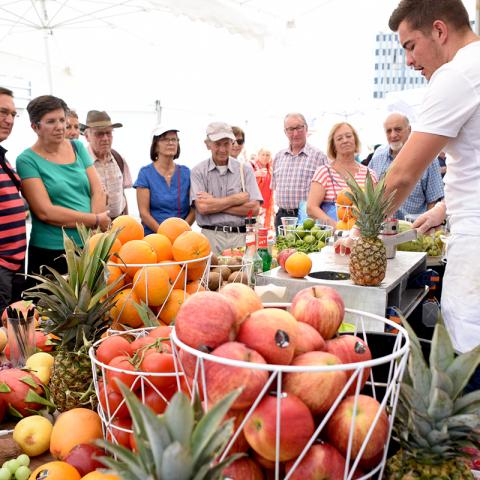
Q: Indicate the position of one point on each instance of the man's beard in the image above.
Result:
(395, 146)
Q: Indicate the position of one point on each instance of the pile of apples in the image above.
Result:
(233, 324)
(147, 368)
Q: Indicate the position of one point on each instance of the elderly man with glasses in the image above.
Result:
(293, 168)
(111, 166)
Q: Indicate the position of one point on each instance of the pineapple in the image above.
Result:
(77, 308)
(181, 444)
(368, 257)
(434, 420)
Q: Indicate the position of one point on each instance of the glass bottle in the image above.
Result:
(252, 260)
(263, 250)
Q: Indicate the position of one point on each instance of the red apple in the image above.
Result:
(244, 300)
(296, 427)
(272, 333)
(243, 469)
(321, 307)
(283, 255)
(322, 461)
(222, 379)
(82, 458)
(351, 349)
(308, 339)
(318, 390)
(205, 321)
(338, 428)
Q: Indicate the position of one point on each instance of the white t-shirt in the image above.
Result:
(452, 108)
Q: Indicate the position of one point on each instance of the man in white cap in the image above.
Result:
(224, 191)
(111, 166)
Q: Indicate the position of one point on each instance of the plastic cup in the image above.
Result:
(289, 224)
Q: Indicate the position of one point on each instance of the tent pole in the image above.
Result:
(48, 63)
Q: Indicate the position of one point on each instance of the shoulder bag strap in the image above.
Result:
(179, 209)
(242, 177)
(332, 180)
(118, 158)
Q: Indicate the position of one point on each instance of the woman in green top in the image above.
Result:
(60, 185)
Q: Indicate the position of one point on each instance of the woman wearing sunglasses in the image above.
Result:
(237, 146)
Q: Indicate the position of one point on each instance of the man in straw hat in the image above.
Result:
(112, 168)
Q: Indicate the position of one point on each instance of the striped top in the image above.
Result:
(292, 175)
(334, 183)
(13, 238)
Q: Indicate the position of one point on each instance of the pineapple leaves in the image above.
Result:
(462, 368)
(441, 358)
(469, 403)
(441, 405)
(177, 463)
(209, 424)
(179, 408)
(128, 464)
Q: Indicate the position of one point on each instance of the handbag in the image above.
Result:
(330, 208)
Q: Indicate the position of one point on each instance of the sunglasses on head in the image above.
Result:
(240, 141)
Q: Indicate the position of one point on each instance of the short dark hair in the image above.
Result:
(238, 131)
(153, 147)
(44, 104)
(6, 91)
(420, 14)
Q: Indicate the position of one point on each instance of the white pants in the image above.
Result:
(220, 241)
(461, 291)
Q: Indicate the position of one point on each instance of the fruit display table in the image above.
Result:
(392, 292)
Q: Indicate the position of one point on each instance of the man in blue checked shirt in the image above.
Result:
(428, 190)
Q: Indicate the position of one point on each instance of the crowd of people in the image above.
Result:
(65, 183)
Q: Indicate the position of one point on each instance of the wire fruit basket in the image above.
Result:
(270, 408)
(153, 388)
(161, 286)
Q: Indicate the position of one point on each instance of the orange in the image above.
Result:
(169, 311)
(176, 273)
(341, 225)
(173, 227)
(92, 243)
(351, 222)
(162, 246)
(194, 287)
(55, 471)
(192, 246)
(342, 198)
(124, 310)
(130, 229)
(113, 273)
(136, 252)
(342, 213)
(298, 264)
(96, 475)
(152, 284)
(78, 425)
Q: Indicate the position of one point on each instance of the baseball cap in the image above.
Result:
(161, 129)
(219, 130)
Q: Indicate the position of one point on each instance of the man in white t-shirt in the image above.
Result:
(439, 42)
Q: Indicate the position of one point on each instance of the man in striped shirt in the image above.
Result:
(293, 168)
(13, 242)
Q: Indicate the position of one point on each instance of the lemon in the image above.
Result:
(41, 365)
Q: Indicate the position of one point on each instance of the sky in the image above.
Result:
(323, 67)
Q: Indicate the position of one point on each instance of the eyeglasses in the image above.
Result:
(168, 140)
(4, 113)
(106, 133)
(299, 128)
(239, 141)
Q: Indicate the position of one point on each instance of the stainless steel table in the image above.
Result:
(391, 292)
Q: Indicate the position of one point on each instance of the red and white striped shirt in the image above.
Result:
(13, 241)
(334, 183)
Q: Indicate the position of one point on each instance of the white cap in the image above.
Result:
(219, 130)
(161, 129)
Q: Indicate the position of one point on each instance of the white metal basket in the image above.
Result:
(385, 390)
(142, 381)
(202, 263)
